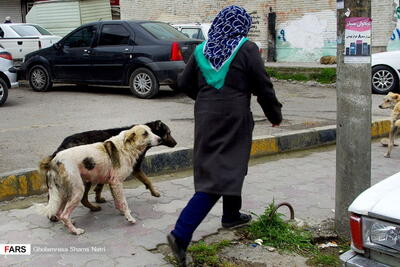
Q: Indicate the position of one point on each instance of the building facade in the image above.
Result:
(299, 31)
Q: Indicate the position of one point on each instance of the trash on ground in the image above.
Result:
(270, 249)
(259, 242)
(328, 245)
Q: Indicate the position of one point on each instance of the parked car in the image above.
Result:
(7, 79)
(194, 30)
(375, 226)
(141, 54)
(200, 31)
(385, 72)
(22, 38)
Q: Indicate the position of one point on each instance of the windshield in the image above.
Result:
(29, 30)
(163, 31)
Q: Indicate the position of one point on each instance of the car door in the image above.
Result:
(112, 53)
(72, 61)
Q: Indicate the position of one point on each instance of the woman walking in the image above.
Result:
(221, 76)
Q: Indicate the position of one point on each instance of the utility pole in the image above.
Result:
(353, 143)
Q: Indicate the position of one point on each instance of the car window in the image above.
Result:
(42, 30)
(114, 35)
(194, 33)
(163, 31)
(26, 30)
(80, 38)
(1, 33)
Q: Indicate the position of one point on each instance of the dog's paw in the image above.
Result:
(387, 155)
(130, 219)
(54, 218)
(95, 208)
(155, 194)
(101, 200)
(79, 231)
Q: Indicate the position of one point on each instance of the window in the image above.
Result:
(194, 33)
(42, 30)
(29, 30)
(1, 33)
(114, 35)
(163, 31)
(81, 38)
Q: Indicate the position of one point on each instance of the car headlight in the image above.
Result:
(381, 235)
(385, 234)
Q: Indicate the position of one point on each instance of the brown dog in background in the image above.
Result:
(391, 101)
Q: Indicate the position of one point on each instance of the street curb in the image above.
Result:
(28, 182)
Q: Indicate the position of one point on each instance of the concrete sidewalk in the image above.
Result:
(305, 179)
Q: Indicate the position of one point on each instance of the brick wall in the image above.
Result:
(383, 24)
(306, 30)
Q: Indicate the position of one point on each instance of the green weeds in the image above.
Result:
(325, 75)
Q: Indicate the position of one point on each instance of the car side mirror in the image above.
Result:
(57, 45)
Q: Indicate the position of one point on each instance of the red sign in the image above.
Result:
(114, 2)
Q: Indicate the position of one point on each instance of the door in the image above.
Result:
(112, 54)
(73, 59)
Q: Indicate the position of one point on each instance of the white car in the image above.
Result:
(194, 30)
(385, 72)
(375, 226)
(199, 31)
(22, 38)
(7, 79)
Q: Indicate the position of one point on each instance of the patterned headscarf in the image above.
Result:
(227, 30)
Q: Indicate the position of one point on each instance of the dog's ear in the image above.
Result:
(129, 136)
(396, 96)
(113, 153)
(158, 124)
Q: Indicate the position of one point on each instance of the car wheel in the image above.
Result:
(39, 79)
(384, 80)
(3, 91)
(143, 83)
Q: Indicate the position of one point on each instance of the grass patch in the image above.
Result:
(325, 75)
(207, 254)
(275, 232)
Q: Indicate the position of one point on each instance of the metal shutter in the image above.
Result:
(12, 9)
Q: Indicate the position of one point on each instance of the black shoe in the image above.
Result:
(179, 252)
(243, 219)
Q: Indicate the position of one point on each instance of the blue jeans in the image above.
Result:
(197, 209)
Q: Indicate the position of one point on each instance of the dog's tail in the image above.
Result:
(50, 172)
(44, 168)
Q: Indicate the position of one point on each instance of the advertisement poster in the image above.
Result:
(358, 40)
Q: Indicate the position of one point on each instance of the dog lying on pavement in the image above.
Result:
(157, 127)
(391, 101)
(108, 162)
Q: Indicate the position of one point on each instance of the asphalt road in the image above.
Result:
(33, 124)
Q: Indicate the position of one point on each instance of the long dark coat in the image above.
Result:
(224, 122)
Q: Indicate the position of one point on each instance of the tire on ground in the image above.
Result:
(39, 78)
(3, 91)
(143, 83)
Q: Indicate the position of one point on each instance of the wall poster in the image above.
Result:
(357, 40)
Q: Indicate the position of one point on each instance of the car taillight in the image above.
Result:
(356, 232)
(176, 54)
(6, 55)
